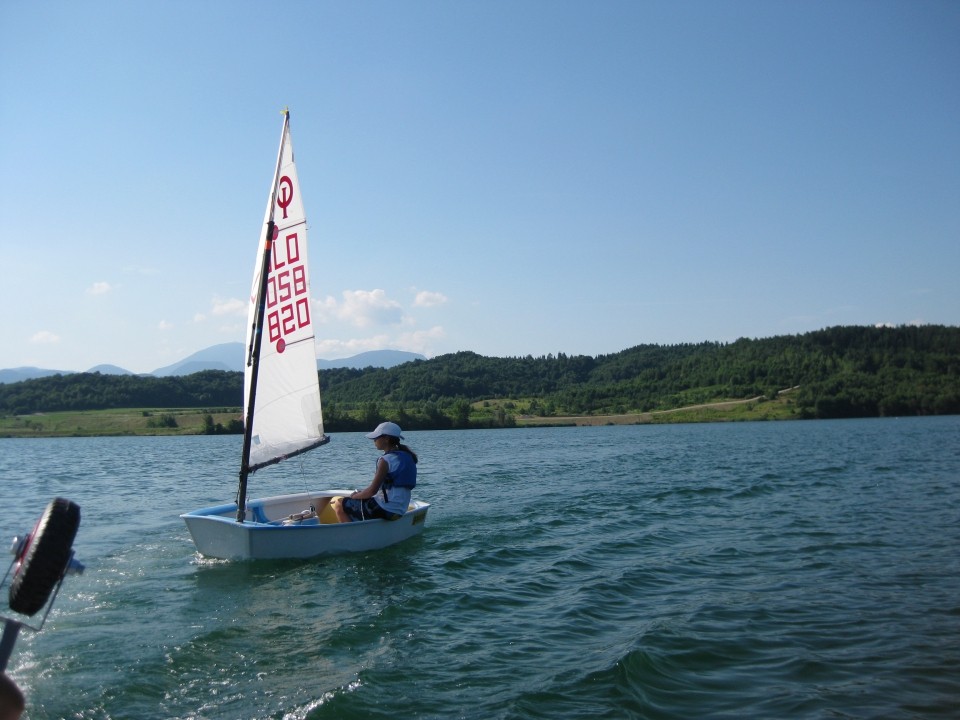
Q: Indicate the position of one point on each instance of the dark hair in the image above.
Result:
(395, 444)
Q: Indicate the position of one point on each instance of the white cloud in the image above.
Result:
(420, 341)
(164, 325)
(231, 306)
(425, 298)
(324, 310)
(99, 288)
(335, 349)
(235, 331)
(372, 309)
(369, 307)
(44, 337)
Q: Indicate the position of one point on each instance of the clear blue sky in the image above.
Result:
(510, 178)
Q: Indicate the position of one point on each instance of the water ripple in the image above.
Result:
(801, 570)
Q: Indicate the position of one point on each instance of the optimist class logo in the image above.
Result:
(284, 194)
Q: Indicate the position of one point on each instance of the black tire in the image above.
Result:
(45, 556)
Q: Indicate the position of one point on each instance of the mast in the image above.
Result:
(253, 352)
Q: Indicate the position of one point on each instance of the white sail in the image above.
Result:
(287, 418)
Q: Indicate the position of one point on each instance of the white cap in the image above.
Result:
(386, 428)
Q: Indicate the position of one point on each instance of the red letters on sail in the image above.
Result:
(288, 304)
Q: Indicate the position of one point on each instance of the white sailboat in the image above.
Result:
(282, 414)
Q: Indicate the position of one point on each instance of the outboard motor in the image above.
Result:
(42, 559)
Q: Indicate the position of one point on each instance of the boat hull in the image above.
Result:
(270, 534)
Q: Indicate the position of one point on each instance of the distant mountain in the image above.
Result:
(12, 375)
(227, 357)
(109, 370)
(372, 358)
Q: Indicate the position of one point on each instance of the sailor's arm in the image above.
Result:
(370, 490)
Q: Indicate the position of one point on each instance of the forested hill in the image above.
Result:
(836, 372)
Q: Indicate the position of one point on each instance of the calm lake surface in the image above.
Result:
(741, 570)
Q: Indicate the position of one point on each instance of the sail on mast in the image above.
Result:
(283, 416)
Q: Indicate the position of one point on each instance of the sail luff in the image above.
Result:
(253, 350)
(253, 367)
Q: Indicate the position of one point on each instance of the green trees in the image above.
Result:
(841, 372)
(93, 391)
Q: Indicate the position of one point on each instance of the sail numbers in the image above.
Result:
(288, 302)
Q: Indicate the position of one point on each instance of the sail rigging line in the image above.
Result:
(293, 225)
(294, 343)
(253, 352)
(303, 474)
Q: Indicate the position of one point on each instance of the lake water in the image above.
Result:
(742, 570)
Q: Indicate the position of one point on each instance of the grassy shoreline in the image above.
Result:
(752, 409)
(116, 422)
(193, 421)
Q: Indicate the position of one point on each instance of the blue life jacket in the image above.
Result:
(401, 470)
